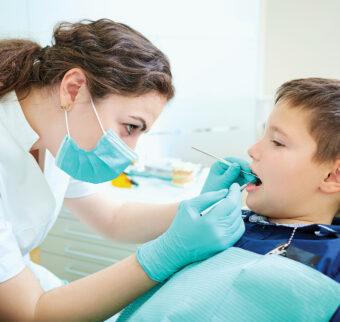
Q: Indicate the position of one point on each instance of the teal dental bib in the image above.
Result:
(238, 285)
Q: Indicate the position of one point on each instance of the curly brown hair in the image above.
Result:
(115, 58)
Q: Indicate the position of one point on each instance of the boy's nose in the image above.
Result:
(253, 151)
(250, 152)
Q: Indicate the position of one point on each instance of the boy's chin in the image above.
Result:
(255, 205)
(255, 209)
(263, 208)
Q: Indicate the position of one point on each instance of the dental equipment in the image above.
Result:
(223, 161)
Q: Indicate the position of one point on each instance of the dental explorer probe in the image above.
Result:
(223, 161)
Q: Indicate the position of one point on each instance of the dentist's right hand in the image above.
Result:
(192, 237)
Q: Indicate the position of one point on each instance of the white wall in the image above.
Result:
(14, 19)
(224, 55)
(301, 39)
(298, 39)
(213, 48)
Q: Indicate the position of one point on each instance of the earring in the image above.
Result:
(66, 107)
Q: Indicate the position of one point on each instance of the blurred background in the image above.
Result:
(227, 56)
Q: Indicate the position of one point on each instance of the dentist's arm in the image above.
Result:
(92, 298)
(127, 222)
(141, 222)
(190, 238)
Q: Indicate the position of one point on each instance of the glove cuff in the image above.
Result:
(157, 260)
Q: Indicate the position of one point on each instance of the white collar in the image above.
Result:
(265, 220)
(14, 120)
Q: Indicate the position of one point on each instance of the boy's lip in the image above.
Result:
(252, 187)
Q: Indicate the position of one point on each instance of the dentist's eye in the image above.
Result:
(130, 128)
(276, 143)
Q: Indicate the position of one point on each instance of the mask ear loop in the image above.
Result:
(67, 127)
(66, 108)
(95, 112)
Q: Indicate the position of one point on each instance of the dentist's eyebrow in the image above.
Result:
(144, 127)
(277, 129)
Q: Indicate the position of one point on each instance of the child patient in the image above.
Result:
(293, 208)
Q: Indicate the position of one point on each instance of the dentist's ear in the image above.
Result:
(73, 80)
(331, 183)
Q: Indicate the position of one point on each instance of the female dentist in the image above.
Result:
(70, 116)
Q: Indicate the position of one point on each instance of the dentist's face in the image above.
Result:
(128, 117)
(282, 159)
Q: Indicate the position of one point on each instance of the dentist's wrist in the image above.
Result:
(158, 259)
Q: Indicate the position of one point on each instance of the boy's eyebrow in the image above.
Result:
(277, 129)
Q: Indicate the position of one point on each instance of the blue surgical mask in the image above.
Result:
(106, 161)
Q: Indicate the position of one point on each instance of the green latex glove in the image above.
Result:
(192, 237)
(222, 176)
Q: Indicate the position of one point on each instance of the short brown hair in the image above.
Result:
(321, 98)
(115, 58)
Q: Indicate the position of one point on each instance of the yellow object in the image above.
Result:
(122, 181)
(35, 255)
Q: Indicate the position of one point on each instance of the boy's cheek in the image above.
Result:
(267, 199)
(284, 180)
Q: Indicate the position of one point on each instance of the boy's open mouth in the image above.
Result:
(258, 182)
(254, 186)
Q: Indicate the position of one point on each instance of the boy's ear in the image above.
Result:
(331, 184)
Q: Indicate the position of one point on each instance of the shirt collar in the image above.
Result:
(317, 229)
(14, 120)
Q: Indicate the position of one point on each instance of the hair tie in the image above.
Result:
(41, 53)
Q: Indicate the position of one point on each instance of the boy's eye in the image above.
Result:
(276, 143)
(130, 128)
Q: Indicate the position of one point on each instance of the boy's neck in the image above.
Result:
(320, 212)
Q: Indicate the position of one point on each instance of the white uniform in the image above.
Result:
(30, 200)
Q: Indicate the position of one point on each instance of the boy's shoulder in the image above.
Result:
(261, 236)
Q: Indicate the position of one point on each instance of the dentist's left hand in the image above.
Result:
(222, 176)
(192, 237)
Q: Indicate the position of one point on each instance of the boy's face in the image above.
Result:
(282, 159)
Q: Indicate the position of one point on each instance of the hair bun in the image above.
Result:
(63, 34)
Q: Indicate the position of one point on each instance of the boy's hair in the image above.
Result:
(320, 97)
